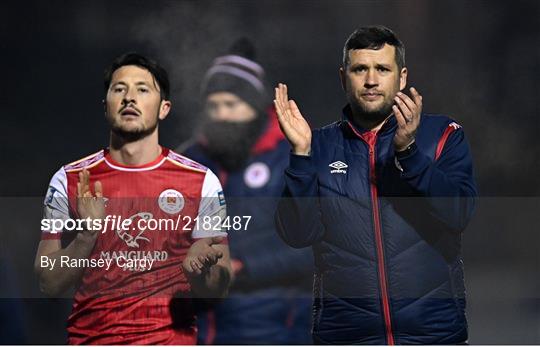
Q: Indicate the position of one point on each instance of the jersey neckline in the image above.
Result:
(144, 167)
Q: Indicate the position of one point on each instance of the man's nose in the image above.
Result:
(371, 79)
(129, 97)
(221, 113)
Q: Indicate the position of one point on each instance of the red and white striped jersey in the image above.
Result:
(131, 301)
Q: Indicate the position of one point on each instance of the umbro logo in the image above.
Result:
(338, 167)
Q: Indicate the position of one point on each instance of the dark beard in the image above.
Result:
(371, 117)
(229, 143)
(133, 135)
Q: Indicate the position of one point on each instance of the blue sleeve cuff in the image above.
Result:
(414, 162)
(301, 163)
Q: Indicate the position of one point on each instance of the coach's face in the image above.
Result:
(371, 80)
(134, 104)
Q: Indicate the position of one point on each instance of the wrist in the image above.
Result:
(86, 237)
(407, 151)
(305, 151)
(400, 149)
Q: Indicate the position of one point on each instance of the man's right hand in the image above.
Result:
(292, 123)
(57, 280)
(89, 205)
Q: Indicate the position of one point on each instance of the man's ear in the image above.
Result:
(342, 78)
(164, 108)
(403, 78)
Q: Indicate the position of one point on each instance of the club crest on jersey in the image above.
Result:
(171, 201)
(338, 167)
(257, 175)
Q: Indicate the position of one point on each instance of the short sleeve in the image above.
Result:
(56, 206)
(212, 208)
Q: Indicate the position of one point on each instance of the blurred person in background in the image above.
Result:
(270, 300)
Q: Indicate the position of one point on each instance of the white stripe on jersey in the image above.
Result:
(213, 205)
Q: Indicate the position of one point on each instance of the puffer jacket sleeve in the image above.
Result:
(447, 182)
(298, 216)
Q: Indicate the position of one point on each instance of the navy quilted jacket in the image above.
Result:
(270, 302)
(386, 233)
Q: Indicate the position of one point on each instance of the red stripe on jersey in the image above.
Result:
(133, 305)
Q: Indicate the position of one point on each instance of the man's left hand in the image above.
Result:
(407, 112)
(201, 256)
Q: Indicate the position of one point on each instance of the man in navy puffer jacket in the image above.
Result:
(382, 197)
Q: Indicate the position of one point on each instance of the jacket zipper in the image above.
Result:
(379, 243)
(371, 140)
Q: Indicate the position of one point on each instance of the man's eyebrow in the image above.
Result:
(357, 65)
(154, 83)
(139, 83)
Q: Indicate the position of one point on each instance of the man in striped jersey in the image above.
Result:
(144, 295)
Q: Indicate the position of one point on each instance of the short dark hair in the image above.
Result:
(374, 37)
(159, 73)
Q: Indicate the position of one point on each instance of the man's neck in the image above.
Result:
(135, 153)
(365, 123)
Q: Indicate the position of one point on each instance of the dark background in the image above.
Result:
(477, 61)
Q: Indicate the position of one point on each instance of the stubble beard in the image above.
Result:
(133, 134)
(368, 114)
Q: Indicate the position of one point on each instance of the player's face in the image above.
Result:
(372, 79)
(228, 107)
(133, 103)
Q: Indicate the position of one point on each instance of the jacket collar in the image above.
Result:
(271, 135)
(389, 124)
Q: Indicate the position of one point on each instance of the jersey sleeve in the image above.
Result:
(56, 206)
(212, 209)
